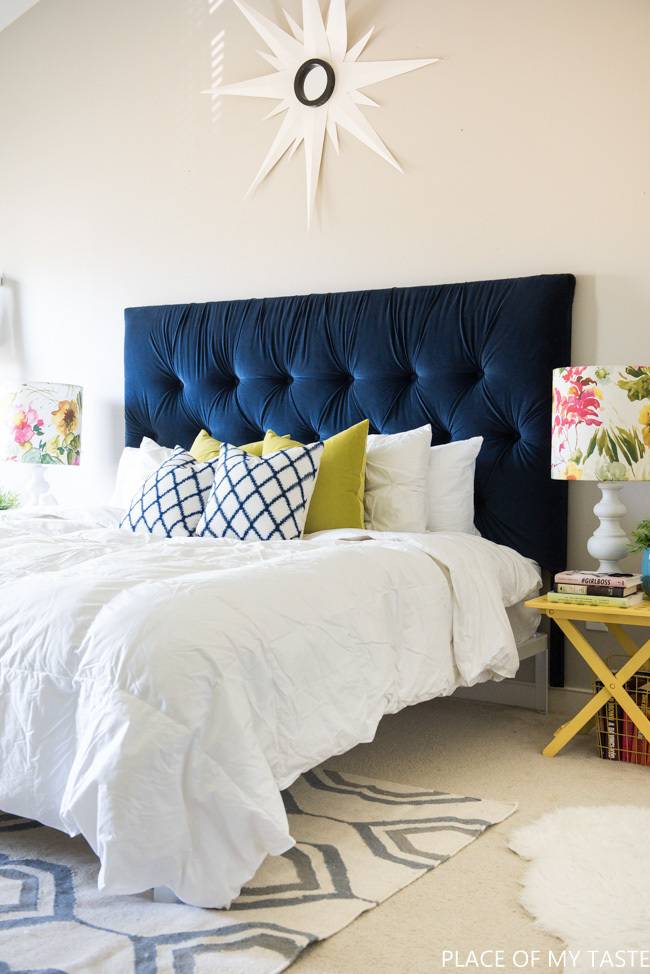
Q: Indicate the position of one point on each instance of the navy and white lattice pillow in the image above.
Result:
(171, 501)
(261, 498)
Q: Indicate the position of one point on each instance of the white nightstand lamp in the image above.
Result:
(601, 433)
(42, 427)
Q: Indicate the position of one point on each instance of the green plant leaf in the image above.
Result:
(626, 446)
(640, 445)
(641, 537)
(613, 447)
(637, 389)
(8, 500)
(627, 439)
(591, 447)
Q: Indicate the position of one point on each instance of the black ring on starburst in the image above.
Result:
(301, 76)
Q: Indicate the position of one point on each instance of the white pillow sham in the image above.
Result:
(452, 468)
(136, 465)
(410, 485)
(397, 478)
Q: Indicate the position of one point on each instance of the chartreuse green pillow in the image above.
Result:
(205, 447)
(337, 501)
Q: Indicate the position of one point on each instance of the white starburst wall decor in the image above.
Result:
(318, 82)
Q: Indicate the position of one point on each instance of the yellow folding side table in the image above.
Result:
(566, 614)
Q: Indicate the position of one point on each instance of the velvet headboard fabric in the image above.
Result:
(471, 359)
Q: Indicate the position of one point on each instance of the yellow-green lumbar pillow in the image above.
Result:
(205, 447)
(337, 501)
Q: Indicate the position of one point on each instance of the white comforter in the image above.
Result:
(155, 696)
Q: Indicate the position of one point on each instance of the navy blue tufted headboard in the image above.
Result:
(471, 359)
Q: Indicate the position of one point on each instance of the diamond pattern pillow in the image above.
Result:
(261, 498)
(171, 501)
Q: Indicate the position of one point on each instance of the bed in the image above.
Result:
(158, 695)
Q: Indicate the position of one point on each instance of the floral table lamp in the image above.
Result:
(43, 427)
(601, 433)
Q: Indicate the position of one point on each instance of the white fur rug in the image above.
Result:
(588, 883)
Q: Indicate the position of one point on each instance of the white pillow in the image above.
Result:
(136, 465)
(261, 498)
(397, 479)
(171, 501)
(451, 486)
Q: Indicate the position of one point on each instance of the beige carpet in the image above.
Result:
(468, 748)
(472, 903)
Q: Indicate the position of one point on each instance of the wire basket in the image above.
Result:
(618, 738)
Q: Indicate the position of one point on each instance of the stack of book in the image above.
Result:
(618, 738)
(623, 591)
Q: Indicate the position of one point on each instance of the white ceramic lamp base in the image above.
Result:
(609, 542)
(40, 493)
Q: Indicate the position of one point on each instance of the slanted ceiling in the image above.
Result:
(10, 10)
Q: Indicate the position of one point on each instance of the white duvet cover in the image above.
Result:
(156, 695)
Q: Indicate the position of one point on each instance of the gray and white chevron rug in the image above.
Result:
(358, 842)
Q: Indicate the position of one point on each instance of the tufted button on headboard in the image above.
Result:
(471, 359)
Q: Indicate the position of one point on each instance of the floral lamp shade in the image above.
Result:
(601, 423)
(43, 424)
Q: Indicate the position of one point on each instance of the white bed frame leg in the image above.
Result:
(163, 894)
(541, 682)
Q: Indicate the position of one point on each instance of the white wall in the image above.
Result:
(10, 10)
(526, 150)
